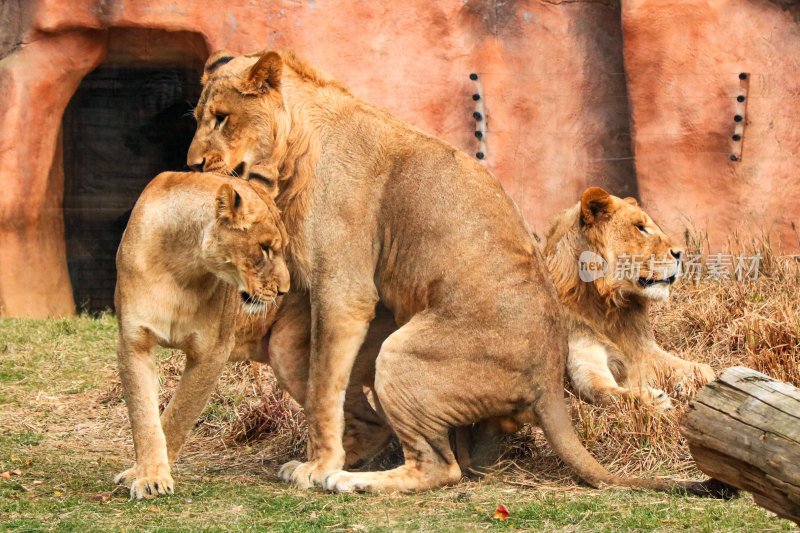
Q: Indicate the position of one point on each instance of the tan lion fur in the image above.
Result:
(379, 213)
(198, 249)
(612, 348)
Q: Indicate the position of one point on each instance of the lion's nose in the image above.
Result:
(282, 277)
(283, 287)
(677, 254)
(197, 167)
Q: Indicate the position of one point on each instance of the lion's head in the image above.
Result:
(259, 114)
(241, 116)
(246, 244)
(611, 245)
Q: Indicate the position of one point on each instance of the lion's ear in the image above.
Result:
(631, 201)
(595, 202)
(228, 204)
(214, 61)
(265, 74)
(264, 179)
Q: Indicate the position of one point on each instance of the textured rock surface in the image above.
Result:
(552, 73)
(683, 61)
(36, 84)
(554, 89)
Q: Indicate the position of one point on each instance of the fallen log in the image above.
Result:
(744, 429)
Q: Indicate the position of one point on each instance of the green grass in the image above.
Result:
(58, 428)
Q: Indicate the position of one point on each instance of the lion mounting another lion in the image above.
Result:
(378, 212)
(613, 354)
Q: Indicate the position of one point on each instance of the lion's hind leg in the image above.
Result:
(421, 407)
(592, 380)
(139, 376)
(429, 461)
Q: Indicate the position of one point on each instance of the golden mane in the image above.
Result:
(564, 245)
(296, 146)
(295, 178)
(309, 73)
(613, 351)
(296, 118)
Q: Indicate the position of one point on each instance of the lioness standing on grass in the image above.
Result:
(377, 211)
(197, 249)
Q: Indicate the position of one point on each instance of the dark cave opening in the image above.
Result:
(123, 125)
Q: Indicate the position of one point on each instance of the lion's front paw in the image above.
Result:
(341, 481)
(305, 475)
(147, 481)
(699, 376)
(705, 372)
(659, 399)
(654, 397)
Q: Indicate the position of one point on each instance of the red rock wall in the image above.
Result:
(36, 83)
(552, 74)
(683, 61)
(555, 92)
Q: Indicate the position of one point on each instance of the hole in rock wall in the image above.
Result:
(128, 120)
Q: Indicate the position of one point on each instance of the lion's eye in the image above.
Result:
(221, 118)
(641, 228)
(267, 251)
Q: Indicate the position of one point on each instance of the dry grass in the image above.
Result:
(64, 425)
(755, 323)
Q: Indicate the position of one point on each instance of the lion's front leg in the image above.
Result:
(338, 330)
(200, 376)
(139, 376)
(592, 380)
(679, 370)
(366, 431)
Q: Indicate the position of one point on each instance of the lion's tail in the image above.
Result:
(555, 422)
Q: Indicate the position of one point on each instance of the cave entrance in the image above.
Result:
(128, 120)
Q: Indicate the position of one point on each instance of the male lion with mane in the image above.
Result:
(612, 348)
(378, 212)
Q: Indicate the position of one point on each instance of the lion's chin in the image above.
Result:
(658, 291)
(252, 304)
(254, 308)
